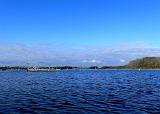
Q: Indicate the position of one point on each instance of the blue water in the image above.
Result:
(80, 92)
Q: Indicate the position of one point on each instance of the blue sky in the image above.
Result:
(81, 25)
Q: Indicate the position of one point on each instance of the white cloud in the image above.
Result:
(122, 60)
(59, 55)
(90, 61)
(93, 61)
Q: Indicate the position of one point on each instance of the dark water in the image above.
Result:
(80, 92)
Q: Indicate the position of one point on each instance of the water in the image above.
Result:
(80, 92)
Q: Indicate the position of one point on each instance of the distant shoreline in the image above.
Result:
(146, 63)
(48, 70)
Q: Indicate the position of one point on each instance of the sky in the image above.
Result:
(78, 32)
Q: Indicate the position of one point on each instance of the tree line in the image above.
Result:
(145, 63)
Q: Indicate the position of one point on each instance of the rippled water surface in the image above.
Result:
(80, 92)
